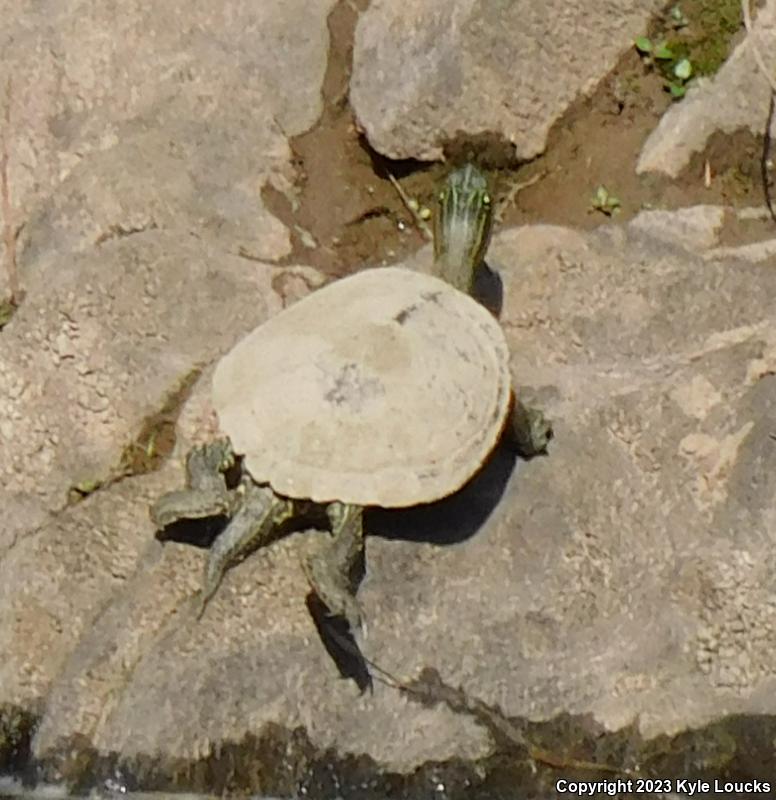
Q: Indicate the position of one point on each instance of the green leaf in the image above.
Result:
(604, 201)
(7, 310)
(663, 52)
(677, 90)
(683, 69)
(601, 197)
(88, 486)
(643, 44)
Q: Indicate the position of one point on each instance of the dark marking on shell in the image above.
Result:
(352, 389)
(406, 313)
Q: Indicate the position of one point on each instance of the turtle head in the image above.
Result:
(462, 225)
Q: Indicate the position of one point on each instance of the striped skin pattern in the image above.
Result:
(462, 227)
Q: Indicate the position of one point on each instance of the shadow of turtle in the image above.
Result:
(341, 644)
(488, 289)
(198, 533)
(454, 518)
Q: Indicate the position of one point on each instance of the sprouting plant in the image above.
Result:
(605, 202)
(653, 51)
(682, 72)
(675, 68)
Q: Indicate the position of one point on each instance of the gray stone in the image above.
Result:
(157, 114)
(426, 71)
(629, 574)
(754, 252)
(735, 98)
(695, 228)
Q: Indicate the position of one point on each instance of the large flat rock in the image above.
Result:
(157, 115)
(627, 575)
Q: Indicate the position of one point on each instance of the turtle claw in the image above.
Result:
(330, 570)
(333, 590)
(206, 493)
(202, 601)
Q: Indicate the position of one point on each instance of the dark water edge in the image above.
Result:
(735, 756)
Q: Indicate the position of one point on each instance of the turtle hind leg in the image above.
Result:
(259, 513)
(206, 493)
(330, 570)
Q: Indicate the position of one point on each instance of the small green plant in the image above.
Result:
(7, 310)
(675, 68)
(605, 202)
(682, 72)
(653, 51)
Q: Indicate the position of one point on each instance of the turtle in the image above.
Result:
(386, 388)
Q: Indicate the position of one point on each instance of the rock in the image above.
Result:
(735, 98)
(171, 114)
(627, 575)
(696, 228)
(754, 252)
(136, 632)
(56, 578)
(174, 172)
(426, 72)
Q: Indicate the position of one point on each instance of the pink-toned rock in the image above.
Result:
(424, 72)
(626, 575)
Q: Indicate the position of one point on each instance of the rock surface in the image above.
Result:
(177, 112)
(628, 574)
(735, 98)
(426, 72)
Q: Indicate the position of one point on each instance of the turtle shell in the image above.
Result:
(386, 388)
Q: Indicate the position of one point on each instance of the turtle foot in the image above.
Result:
(327, 583)
(258, 515)
(330, 570)
(530, 431)
(206, 494)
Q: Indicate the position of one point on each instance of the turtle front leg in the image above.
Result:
(205, 494)
(259, 513)
(529, 430)
(330, 570)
